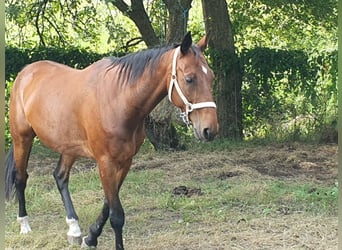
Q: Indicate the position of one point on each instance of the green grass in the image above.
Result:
(154, 189)
(152, 209)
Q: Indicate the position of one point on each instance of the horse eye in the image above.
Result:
(189, 79)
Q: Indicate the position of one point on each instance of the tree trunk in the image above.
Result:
(228, 75)
(136, 12)
(158, 126)
(178, 19)
(160, 130)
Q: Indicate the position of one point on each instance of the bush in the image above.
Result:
(17, 58)
(288, 93)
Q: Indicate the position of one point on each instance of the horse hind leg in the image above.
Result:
(20, 153)
(61, 175)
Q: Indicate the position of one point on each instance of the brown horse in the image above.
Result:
(99, 113)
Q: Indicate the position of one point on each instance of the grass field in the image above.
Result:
(279, 196)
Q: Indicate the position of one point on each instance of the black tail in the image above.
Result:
(10, 172)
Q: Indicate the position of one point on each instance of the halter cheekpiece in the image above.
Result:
(189, 107)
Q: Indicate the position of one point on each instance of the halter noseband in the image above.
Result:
(189, 107)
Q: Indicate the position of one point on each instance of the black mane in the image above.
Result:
(133, 65)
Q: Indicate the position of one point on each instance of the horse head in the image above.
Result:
(190, 88)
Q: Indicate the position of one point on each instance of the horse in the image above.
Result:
(98, 112)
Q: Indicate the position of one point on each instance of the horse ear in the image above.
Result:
(186, 43)
(202, 44)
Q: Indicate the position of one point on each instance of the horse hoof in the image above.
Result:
(84, 244)
(74, 240)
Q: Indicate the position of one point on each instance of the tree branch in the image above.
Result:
(132, 42)
(40, 13)
(121, 5)
(60, 35)
(136, 12)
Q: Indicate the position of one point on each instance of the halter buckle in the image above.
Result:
(188, 107)
(185, 118)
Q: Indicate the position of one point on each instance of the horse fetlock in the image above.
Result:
(24, 225)
(86, 244)
(74, 233)
(74, 228)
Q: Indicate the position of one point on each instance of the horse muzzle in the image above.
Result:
(205, 133)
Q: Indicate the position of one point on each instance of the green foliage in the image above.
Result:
(17, 58)
(286, 90)
(158, 16)
(284, 24)
(8, 139)
(287, 51)
(95, 25)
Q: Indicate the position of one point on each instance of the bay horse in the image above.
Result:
(98, 112)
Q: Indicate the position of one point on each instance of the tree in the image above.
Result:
(136, 12)
(178, 19)
(54, 22)
(159, 128)
(228, 74)
(265, 32)
(85, 24)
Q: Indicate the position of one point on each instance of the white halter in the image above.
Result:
(189, 107)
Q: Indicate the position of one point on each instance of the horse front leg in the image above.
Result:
(117, 221)
(96, 229)
(112, 176)
(61, 175)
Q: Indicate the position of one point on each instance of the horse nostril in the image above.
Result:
(208, 134)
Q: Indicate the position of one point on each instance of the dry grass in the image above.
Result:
(259, 233)
(270, 197)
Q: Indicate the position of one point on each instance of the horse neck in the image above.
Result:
(132, 102)
(151, 88)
